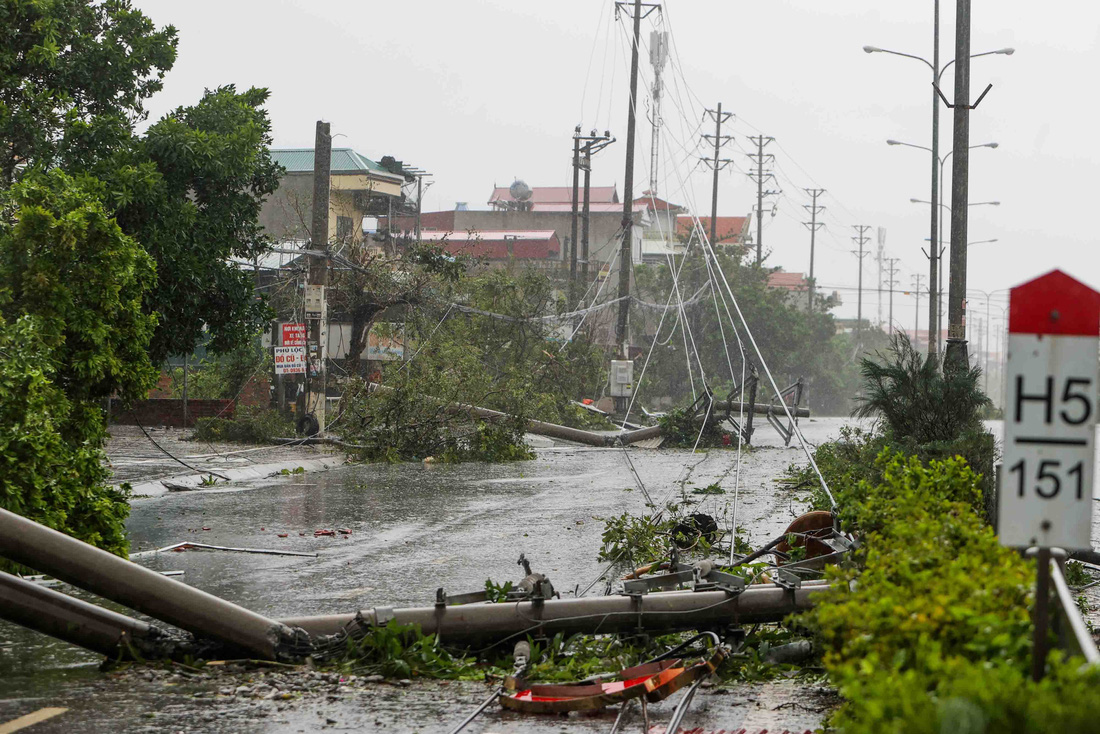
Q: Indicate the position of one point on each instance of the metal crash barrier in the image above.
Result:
(1069, 626)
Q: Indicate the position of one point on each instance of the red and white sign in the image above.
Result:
(290, 360)
(294, 335)
(1045, 497)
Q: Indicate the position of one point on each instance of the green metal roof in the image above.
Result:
(344, 160)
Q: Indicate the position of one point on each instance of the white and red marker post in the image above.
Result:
(1045, 495)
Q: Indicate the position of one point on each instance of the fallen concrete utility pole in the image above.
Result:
(75, 621)
(595, 438)
(472, 624)
(84, 566)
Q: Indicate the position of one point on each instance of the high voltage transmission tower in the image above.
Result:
(760, 176)
(813, 225)
(717, 164)
(861, 239)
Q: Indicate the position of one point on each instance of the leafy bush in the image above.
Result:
(45, 477)
(681, 430)
(406, 424)
(936, 634)
(251, 425)
(72, 333)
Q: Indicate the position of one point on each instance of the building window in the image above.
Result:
(344, 228)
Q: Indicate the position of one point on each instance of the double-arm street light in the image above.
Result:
(935, 271)
(938, 251)
(987, 295)
(937, 74)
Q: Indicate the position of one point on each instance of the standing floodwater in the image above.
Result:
(413, 528)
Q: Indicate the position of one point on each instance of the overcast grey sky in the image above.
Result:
(482, 92)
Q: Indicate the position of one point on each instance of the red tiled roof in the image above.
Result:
(728, 229)
(657, 204)
(788, 281)
(494, 244)
(557, 195)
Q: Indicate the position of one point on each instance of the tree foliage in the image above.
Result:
(796, 344)
(72, 332)
(74, 78)
(190, 191)
(64, 260)
(515, 361)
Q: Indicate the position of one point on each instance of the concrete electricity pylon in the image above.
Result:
(916, 289)
(861, 239)
(716, 164)
(813, 225)
(892, 271)
(626, 250)
(760, 176)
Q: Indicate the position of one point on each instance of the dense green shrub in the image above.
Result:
(250, 425)
(72, 333)
(935, 636)
(59, 483)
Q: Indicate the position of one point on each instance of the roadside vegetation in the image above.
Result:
(115, 244)
(478, 338)
(930, 630)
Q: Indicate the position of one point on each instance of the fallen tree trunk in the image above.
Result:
(31, 544)
(474, 624)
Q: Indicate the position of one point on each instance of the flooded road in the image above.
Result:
(413, 528)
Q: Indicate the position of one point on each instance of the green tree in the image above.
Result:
(190, 190)
(64, 260)
(72, 331)
(74, 78)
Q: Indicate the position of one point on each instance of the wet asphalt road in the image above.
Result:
(414, 528)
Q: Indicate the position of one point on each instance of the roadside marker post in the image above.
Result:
(1046, 493)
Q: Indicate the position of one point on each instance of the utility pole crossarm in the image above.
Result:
(861, 239)
(760, 158)
(716, 164)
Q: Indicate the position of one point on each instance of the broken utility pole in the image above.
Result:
(760, 158)
(861, 239)
(813, 225)
(717, 165)
(318, 279)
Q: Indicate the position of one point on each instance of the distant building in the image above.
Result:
(727, 230)
(360, 188)
(544, 208)
(554, 199)
(500, 245)
(798, 289)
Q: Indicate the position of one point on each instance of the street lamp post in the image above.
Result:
(937, 176)
(935, 271)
